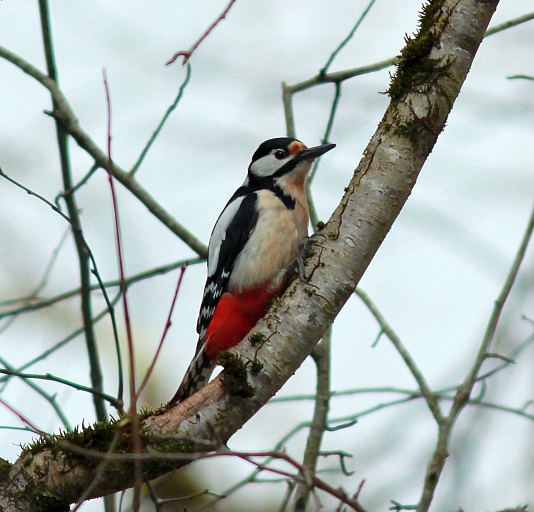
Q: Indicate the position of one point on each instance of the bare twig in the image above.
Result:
(95, 272)
(509, 24)
(314, 219)
(164, 335)
(249, 457)
(162, 122)
(132, 412)
(520, 77)
(22, 418)
(464, 392)
(348, 38)
(321, 357)
(187, 54)
(77, 186)
(26, 376)
(50, 398)
(64, 341)
(81, 246)
(63, 112)
(43, 303)
(429, 397)
(340, 76)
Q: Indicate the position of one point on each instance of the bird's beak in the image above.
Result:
(316, 151)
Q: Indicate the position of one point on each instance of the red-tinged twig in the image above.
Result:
(64, 113)
(164, 335)
(138, 479)
(38, 303)
(186, 54)
(22, 418)
(360, 487)
(249, 457)
(316, 482)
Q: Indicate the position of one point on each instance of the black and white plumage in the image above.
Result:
(253, 242)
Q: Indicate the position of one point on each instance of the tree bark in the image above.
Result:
(431, 71)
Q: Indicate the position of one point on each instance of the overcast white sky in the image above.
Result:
(435, 278)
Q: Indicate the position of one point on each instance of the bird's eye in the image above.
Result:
(280, 154)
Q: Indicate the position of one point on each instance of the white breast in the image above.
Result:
(273, 244)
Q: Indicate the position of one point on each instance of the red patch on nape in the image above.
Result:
(235, 316)
(296, 147)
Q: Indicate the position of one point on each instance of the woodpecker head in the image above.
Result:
(284, 156)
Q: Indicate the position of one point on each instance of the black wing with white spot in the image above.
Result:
(230, 234)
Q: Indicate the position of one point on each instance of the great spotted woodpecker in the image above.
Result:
(252, 245)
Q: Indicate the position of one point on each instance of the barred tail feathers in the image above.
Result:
(196, 376)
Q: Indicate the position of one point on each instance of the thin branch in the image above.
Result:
(321, 357)
(165, 501)
(163, 336)
(81, 246)
(95, 272)
(463, 394)
(187, 54)
(287, 101)
(162, 122)
(66, 116)
(76, 187)
(22, 418)
(132, 412)
(340, 76)
(429, 397)
(509, 24)
(51, 399)
(112, 400)
(520, 77)
(161, 270)
(249, 457)
(63, 342)
(314, 219)
(348, 38)
(465, 391)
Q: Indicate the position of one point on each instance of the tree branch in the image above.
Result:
(344, 249)
(64, 113)
(321, 357)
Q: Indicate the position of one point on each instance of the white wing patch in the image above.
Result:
(219, 233)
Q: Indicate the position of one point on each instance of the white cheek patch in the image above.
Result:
(267, 166)
(219, 234)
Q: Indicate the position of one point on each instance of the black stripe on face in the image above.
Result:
(266, 147)
(304, 155)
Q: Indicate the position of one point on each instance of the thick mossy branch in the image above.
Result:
(5, 466)
(415, 68)
(96, 437)
(115, 437)
(235, 375)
